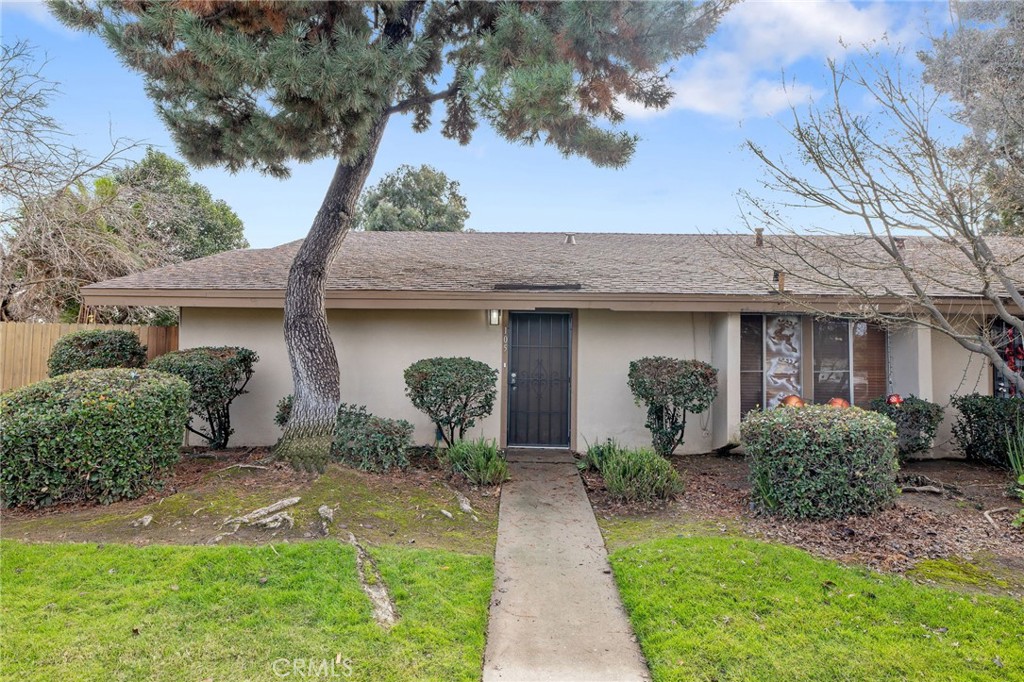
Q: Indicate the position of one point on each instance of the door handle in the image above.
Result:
(512, 379)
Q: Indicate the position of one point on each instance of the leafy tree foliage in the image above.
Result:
(261, 84)
(67, 219)
(421, 198)
(200, 225)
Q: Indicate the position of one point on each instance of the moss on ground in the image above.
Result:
(397, 509)
(981, 574)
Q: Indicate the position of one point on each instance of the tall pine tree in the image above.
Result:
(261, 84)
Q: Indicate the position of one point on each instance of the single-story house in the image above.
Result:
(562, 315)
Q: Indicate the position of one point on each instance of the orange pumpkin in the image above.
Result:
(792, 401)
(838, 402)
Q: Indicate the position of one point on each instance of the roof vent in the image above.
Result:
(570, 239)
(759, 237)
(779, 277)
(900, 242)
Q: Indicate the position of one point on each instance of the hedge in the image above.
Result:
(985, 424)
(96, 349)
(103, 434)
(820, 461)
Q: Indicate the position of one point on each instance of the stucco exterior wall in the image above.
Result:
(374, 347)
(955, 371)
(607, 341)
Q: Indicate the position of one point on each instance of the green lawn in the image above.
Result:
(88, 612)
(732, 609)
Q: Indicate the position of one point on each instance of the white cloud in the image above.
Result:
(37, 11)
(740, 73)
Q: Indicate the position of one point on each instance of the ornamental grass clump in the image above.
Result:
(819, 462)
(670, 389)
(101, 434)
(96, 349)
(480, 461)
(639, 475)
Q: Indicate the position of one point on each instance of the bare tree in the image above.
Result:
(898, 171)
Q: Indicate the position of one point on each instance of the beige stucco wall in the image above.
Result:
(607, 341)
(374, 348)
(955, 371)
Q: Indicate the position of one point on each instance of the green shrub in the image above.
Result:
(639, 475)
(102, 434)
(596, 455)
(96, 349)
(216, 376)
(284, 410)
(984, 424)
(454, 392)
(671, 388)
(916, 421)
(368, 442)
(821, 462)
(480, 461)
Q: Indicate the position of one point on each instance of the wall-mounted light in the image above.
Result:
(494, 317)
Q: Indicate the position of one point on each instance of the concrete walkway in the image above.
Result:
(555, 613)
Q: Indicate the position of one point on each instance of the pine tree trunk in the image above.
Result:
(307, 437)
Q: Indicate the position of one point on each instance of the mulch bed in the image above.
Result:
(920, 525)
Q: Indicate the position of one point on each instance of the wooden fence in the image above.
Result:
(25, 347)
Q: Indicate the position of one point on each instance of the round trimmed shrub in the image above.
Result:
(453, 392)
(916, 421)
(216, 376)
(96, 349)
(819, 462)
(102, 434)
(670, 388)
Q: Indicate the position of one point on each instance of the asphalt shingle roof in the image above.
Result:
(595, 263)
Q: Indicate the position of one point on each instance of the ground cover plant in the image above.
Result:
(114, 612)
(368, 442)
(733, 609)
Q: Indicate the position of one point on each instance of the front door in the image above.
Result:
(539, 379)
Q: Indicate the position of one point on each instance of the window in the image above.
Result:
(751, 362)
(1010, 345)
(849, 361)
(770, 355)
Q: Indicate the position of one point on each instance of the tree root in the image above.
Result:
(384, 611)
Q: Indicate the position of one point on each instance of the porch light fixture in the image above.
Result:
(494, 317)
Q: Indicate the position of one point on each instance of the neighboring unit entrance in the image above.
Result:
(539, 379)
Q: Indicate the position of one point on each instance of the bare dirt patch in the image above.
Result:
(207, 492)
(920, 527)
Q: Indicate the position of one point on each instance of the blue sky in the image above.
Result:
(684, 177)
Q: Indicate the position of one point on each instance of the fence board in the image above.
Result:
(25, 347)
